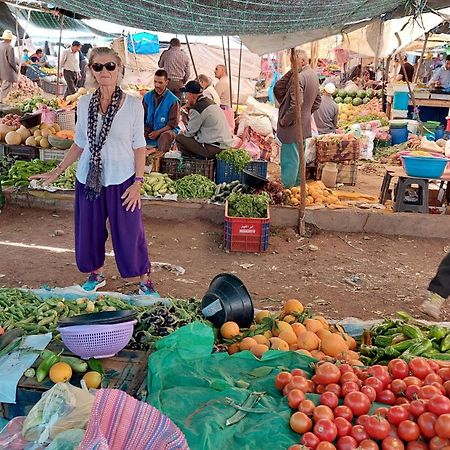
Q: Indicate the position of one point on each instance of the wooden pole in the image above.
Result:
(59, 55)
(229, 73)
(224, 56)
(299, 137)
(239, 78)
(419, 62)
(190, 54)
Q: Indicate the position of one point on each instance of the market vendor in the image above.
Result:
(439, 290)
(286, 132)
(110, 145)
(441, 77)
(326, 117)
(207, 131)
(161, 113)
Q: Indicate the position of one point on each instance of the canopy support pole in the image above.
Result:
(299, 137)
(419, 62)
(239, 78)
(192, 57)
(229, 73)
(59, 55)
(224, 56)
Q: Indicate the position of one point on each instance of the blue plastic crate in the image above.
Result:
(226, 173)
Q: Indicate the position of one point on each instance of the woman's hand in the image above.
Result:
(48, 177)
(132, 197)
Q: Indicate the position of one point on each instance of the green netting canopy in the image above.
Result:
(231, 17)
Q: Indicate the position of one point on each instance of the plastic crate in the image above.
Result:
(66, 119)
(246, 235)
(51, 154)
(177, 168)
(347, 173)
(226, 173)
(23, 152)
(53, 88)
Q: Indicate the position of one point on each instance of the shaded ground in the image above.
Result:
(393, 272)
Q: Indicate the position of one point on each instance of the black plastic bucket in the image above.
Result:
(227, 299)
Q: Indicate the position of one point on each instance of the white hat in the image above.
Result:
(7, 35)
(330, 88)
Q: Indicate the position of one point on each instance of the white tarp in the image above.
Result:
(140, 69)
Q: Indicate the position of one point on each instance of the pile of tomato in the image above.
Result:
(416, 415)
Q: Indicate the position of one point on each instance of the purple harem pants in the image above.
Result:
(127, 232)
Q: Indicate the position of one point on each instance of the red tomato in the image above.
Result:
(378, 371)
(300, 423)
(444, 373)
(418, 407)
(398, 387)
(311, 386)
(310, 440)
(375, 383)
(358, 402)
(362, 420)
(295, 397)
(329, 399)
(438, 443)
(298, 382)
(417, 445)
(426, 424)
(439, 404)
(343, 411)
(361, 374)
(322, 412)
(346, 443)
(442, 426)
(335, 388)
(419, 367)
(368, 444)
(413, 381)
(349, 376)
(433, 378)
(397, 414)
(296, 447)
(325, 430)
(349, 386)
(370, 392)
(359, 433)
(344, 427)
(282, 379)
(286, 389)
(298, 373)
(447, 387)
(398, 368)
(427, 392)
(408, 431)
(386, 397)
(434, 365)
(439, 387)
(382, 412)
(393, 432)
(324, 445)
(327, 373)
(392, 443)
(412, 392)
(378, 427)
(320, 388)
(307, 406)
(402, 401)
(347, 368)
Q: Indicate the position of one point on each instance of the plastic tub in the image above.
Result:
(401, 100)
(228, 299)
(424, 166)
(399, 135)
(252, 180)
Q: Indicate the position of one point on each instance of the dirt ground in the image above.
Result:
(365, 276)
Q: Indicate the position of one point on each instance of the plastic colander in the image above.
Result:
(97, 341)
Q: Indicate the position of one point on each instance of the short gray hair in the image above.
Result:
(204, 78)
(300, 53)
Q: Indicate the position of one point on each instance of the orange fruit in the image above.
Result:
(261, 315)
(323, 321)
(280, 326)
(288, 336)
(233, 348)
(293, 306)
(349, 340)
(302, 351)
(318, 354)
(259, 349)
(93, 380)
(267, 334)
(298, 328)
(322, 333)
(313, 325)
(230, 330)
(308, 341)
(60, 372)
(278, 344)
(247, 343)
(333, 344)
(289, 319)
(261, 339)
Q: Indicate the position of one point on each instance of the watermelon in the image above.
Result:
(380, 94)
(357, 101)
(348, 99)
(361, 94)
(369, 93)
(338, 100)
(366, 100)
(351, 94)
(342, 93)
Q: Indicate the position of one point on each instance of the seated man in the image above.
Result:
(162, 114)
(207, 131)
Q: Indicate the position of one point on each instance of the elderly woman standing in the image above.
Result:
(110, 146)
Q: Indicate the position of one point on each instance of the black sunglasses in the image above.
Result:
(109, 66)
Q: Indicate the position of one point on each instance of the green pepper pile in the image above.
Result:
(195, 186)
(404, 338)
(19, 173)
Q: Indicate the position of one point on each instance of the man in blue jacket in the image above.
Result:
(162, 113)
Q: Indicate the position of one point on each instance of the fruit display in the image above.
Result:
(11, 120)
(292, 328)
(353, 111)
(33, 104)
(22, 90)
(401, 405)
(71, 101)
(316, 194)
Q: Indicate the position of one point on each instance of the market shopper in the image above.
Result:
(310, 99)
(439, 290)
(110, 146)
(8, 66)
(409, 69)
(176, 63)
(161, 113)
(441, 77)
(208, 89)
(207, 132)
(70, 67)
(326, 117)
(222, 87)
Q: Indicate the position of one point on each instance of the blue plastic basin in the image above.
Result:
(424, 166)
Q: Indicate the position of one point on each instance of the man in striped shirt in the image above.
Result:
(176, 63)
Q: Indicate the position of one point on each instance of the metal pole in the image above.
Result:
(229, 73)
(59, 55)
(299, 137)
(224, 57)
(190, 54)
(239, 78)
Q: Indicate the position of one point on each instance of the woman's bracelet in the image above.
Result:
(138, 179)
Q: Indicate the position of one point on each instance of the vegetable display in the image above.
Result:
(19, 173)
(248, 205)
(33, 104)
(23, 89)
(238, 158)
(6, 162)
(195, 186)
(67, 179)
(224, 190)
(157, 184)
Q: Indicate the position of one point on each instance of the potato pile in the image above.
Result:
(317, 194)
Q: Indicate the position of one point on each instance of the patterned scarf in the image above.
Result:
(94, 178)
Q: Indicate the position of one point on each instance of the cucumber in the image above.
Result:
(75, 363)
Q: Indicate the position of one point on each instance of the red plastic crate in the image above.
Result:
(246, 235)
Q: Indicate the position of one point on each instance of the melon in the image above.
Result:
(43, 143)
(338, 100)
(4, 130)
(31, 141)
(357, 101)
(348, 99)
(13, 138)
(24, 133)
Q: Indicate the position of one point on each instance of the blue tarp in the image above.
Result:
(143, 43)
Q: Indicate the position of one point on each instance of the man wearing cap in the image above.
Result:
(326, 117)
(8, 65)
(207, 131)
(70, 67)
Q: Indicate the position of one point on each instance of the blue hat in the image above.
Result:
(192, 87)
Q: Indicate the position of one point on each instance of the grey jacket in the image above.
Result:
(8, 66)
(326, 117)
(309, 100)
